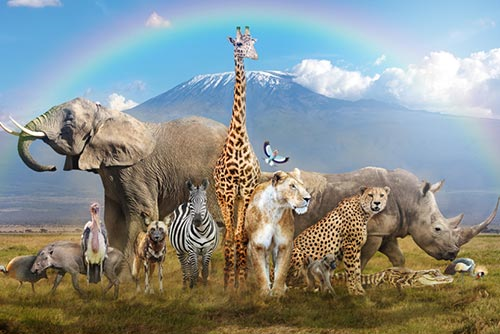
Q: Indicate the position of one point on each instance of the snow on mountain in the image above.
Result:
(331, 135)
(262, 78)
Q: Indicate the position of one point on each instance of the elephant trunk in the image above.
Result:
(23, 146)
(467, 233)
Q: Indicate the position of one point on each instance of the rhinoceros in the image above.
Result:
(411, 210)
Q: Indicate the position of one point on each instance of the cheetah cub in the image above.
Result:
(342, 232)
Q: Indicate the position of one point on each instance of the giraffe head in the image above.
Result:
(244, 45)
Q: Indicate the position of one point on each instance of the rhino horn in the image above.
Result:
(455, 221)
(467, 233)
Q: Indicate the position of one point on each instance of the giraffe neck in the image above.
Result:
(238, 119)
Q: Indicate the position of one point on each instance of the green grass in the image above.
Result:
(469, 307)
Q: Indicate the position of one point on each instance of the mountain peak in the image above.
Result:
(219, 80)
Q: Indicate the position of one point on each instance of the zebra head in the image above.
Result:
(197, 202)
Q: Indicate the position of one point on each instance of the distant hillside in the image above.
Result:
(318, 133)
(332, 135)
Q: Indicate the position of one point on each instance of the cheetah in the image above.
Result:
(342, 232)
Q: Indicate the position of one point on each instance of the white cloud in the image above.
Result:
(156, 21)
(324, 78)
(380, 60)
(118, 102)
(441, 82)
(34, 3)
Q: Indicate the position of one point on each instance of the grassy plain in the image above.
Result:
(469, 307)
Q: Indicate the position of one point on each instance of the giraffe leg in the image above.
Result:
(227, 214)
(241, 243)
(229, 257)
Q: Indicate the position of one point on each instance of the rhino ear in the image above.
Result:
(387, 190)
(437, 186)
(425, 188)
(118, 140)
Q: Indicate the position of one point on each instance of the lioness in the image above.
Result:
(269, 226)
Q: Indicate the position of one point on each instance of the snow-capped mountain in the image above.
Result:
(211, 95)
(331, 135)
(318, 133)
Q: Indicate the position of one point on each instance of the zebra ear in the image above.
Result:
(189, 184)
(205, 183)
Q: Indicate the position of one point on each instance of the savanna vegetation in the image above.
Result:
(471, 306)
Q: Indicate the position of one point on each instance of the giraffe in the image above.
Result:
(237, 170)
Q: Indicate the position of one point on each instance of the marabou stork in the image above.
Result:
(94, 245)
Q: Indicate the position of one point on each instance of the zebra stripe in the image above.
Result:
(193, 232)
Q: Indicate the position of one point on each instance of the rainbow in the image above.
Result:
(67, 74)
(332, 23)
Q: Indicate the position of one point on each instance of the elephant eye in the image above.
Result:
(69, 117)
(437, 229)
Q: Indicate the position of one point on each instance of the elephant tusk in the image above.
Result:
(37, 134)
(6, 129)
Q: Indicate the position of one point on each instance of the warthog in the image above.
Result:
(66, 257)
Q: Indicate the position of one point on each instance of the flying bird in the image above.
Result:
(94, 245)
(272, 156)
(461, 265)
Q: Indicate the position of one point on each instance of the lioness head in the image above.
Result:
(290, 189)
(374, 199)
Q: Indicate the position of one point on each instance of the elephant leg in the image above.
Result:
(390, 248)
(369, 249)
(114, 220)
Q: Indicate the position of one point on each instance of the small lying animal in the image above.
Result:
(19, 268)
(319, 271)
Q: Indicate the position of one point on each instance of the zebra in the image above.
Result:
(193, 233)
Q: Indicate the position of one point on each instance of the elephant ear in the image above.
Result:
(120, 140)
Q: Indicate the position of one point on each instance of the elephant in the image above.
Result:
(143, 166)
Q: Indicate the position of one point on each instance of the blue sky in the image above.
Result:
(440, 56)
